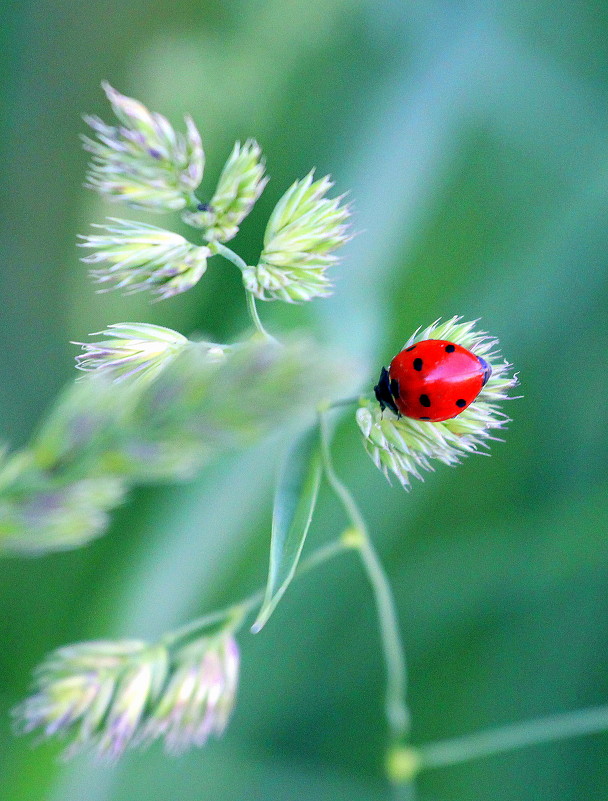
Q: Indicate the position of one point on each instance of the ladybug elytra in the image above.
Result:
(432, 380)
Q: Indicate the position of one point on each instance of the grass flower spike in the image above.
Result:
(136, 256)
(112, 696)
(405, 447)
(241, 183)
(198, 698)
(143, 161)
(96, 692)
(59, 518)
(302, 233)
(133, 349)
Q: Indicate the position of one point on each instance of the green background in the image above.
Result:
(473, 137)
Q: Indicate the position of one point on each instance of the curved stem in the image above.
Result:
(193, 202)
(227, 253)
(234, 258)
(397, 713)
(396, 710)
(345, 402)
(513, 737)
(404, 792)
(255, 318)
(197, 626)
(239, 611)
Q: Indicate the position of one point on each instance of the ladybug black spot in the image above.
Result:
(461, 402)
(450, 348)
(418, 364)
(424, 400)
(411, 347)
(425, 418)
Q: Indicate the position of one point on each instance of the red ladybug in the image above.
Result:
(432, 380)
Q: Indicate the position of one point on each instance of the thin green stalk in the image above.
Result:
(322, 554)
(200, 624)
(345, 402)
(396, 710)
(512, 737)
(397, 713)
(239, 611)
(255, 317)
(404, 792)
(231, 256)
(193, 202)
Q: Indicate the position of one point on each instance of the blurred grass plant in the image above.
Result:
(155, 405)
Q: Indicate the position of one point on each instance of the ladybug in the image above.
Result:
(432, 380)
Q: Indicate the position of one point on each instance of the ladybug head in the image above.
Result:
(383, 393)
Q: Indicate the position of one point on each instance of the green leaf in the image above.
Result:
(294, 504)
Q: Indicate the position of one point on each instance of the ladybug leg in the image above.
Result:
(487, 370)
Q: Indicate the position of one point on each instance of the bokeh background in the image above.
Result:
(474, 139)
